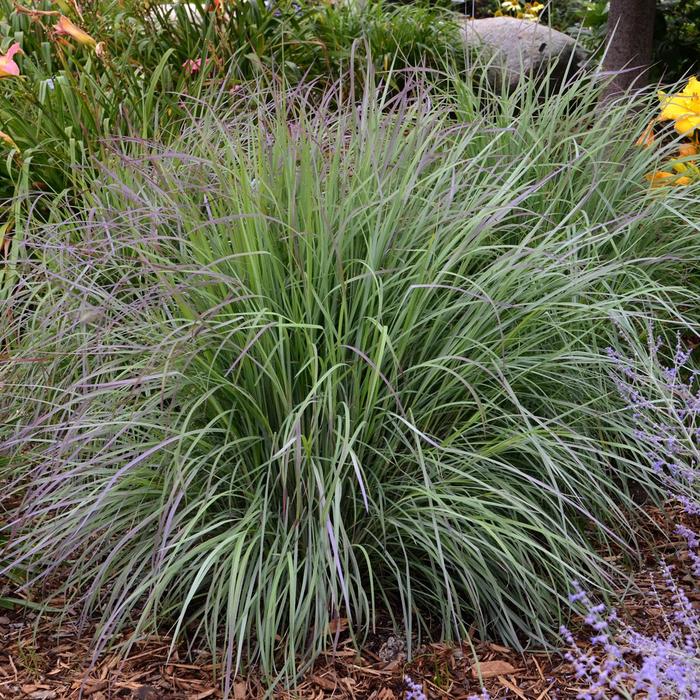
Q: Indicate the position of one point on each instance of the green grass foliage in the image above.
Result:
(320, 357)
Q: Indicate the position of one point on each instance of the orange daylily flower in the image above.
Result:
(67, 28)
(661, 178)
(8, 67)
(685, 150)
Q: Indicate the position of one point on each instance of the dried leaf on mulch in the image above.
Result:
(489, 669)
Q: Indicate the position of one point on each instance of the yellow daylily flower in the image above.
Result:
(682, 108)
(65, 27)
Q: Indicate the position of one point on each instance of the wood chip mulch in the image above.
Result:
(47, 662)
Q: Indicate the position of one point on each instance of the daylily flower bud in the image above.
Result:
(647, 137)
(67, 28)
(685, 150)
(7, 139)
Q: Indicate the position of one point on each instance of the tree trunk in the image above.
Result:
(630, 43)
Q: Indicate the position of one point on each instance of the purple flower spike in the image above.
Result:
(414, 691)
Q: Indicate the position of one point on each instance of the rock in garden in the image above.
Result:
(516, 47)
(393, 650)
(167, 13)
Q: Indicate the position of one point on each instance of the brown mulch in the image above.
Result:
(46, 662)
(49, 659)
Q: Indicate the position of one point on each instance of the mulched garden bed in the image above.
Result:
(52, 660)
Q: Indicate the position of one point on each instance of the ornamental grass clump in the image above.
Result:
(321, 360)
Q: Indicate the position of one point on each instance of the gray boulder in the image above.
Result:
(517, 47)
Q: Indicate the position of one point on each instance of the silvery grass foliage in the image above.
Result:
(661, 391)
(321, 359)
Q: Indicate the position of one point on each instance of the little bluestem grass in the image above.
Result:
(321, 358)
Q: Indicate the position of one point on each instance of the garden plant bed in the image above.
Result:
(53, 660)
(319, 350)
(56, 664)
